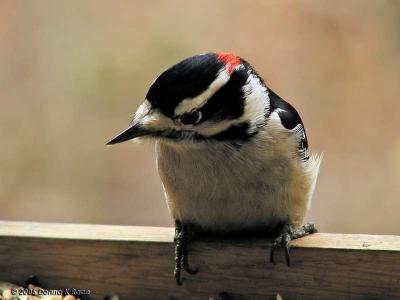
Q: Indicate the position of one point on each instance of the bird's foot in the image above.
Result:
(183, 235)
(286, 235)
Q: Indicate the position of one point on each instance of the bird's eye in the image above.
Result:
(190, 118)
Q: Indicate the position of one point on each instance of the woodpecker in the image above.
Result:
(232, 155)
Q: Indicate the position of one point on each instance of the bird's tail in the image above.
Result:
(313, 165)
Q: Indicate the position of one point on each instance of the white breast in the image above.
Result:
(226, 189)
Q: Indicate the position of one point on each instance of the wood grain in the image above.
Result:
(137, 263)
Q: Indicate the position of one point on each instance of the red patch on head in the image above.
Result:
(230, 60)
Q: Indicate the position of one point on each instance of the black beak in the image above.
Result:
(131, 132)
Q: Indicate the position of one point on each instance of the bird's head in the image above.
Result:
(207, 97)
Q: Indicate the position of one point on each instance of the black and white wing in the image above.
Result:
(291, 120)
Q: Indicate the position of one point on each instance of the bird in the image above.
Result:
(232, 155)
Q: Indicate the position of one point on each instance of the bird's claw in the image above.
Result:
(189, 269)
(178, 278)
(286, 235)
(282, 240)
(182, 237)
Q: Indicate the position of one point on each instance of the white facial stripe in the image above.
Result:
(152, 119)
(197, 102)
(257, 101)
(157, 121)
(256, 107)
(142, 111)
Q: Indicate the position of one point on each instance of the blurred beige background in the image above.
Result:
(72, 72)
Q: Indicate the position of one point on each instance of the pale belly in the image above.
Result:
(226, 191)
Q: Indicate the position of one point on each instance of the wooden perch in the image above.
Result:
(137, 263)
